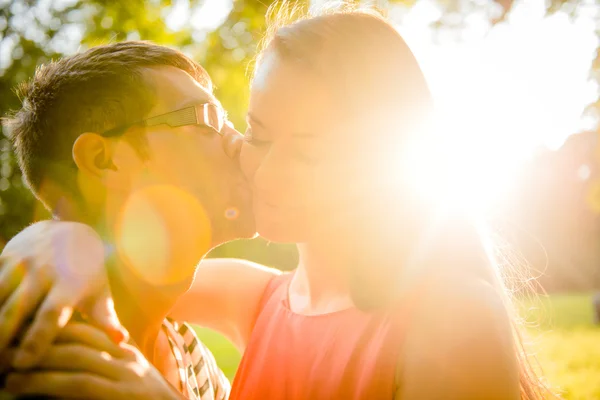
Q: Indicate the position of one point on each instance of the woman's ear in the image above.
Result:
(92, 154)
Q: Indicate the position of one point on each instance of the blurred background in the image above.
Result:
(516, 83)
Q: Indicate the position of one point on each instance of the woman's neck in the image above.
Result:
(320, 283)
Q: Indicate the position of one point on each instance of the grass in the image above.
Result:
(226, 354)
(562, 337)
(566, 343)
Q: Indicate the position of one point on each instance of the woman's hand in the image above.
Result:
(84, 364)
(60, 267)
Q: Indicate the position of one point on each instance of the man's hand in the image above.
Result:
(84, 364)
(52, 267)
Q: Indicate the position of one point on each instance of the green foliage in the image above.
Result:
(230, 52)
(565, 342)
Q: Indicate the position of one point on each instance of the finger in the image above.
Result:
(6, 359)
(88, 335)
(80, 358)
(11, 275)
(62, 384)
(104, 316)
(53, 315)
(18, 307)
(131, 353)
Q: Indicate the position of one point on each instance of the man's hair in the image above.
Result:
(93, 91)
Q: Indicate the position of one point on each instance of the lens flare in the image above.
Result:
(162, 233)
(232, 213)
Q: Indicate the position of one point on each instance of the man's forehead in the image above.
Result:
(174, 88)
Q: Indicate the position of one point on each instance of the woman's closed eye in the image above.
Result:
(252, 140)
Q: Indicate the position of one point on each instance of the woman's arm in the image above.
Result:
(459, 346)
(225, 297)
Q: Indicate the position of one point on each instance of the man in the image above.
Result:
(126, 138)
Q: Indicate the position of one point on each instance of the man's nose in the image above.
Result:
(232, 141)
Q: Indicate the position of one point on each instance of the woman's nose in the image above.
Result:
(232, 141)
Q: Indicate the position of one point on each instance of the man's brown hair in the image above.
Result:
(92, 91)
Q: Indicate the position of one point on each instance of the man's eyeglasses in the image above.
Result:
(207, 114)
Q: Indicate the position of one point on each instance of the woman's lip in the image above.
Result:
(274, 206)
(268, 204)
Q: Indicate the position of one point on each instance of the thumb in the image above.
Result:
(103, 315)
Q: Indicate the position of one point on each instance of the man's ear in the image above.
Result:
(92, 154)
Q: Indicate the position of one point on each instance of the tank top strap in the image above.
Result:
(274, 288)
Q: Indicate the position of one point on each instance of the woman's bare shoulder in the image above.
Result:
(460, 343)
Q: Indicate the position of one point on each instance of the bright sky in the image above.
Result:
(505, 91)
(208, 16)
(527, 77)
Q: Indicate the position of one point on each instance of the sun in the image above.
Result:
(460, 173)
(499, 98)
(469, 161)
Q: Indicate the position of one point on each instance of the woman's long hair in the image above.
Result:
(381, 89)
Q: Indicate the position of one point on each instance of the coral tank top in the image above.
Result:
(347, 354)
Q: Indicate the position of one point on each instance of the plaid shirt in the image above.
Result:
(199, 376)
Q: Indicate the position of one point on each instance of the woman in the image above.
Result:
(388, 301)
